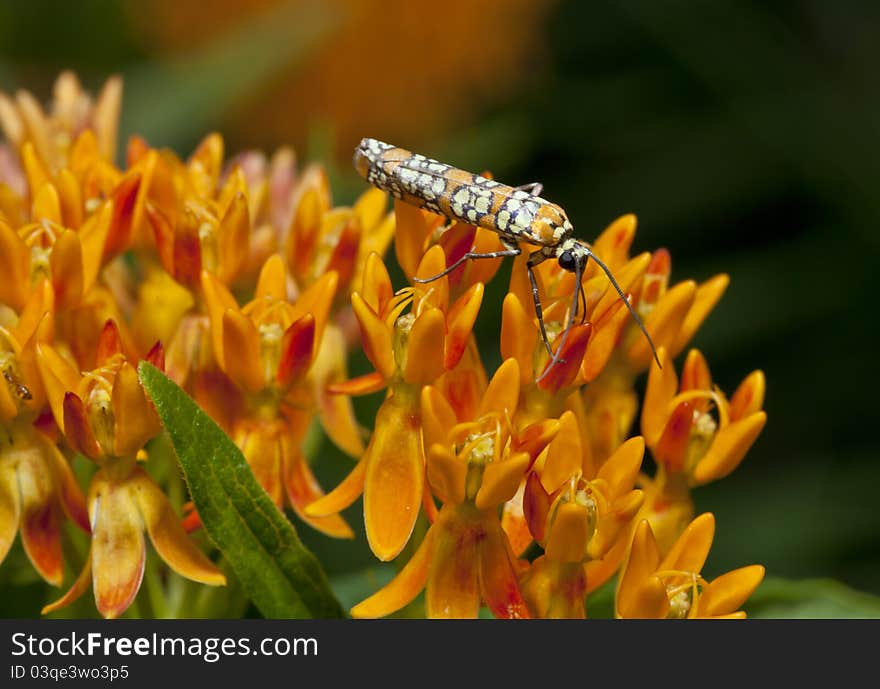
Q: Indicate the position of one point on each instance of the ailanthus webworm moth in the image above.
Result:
(516, 214)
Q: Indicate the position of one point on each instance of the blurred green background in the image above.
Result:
(744, 135)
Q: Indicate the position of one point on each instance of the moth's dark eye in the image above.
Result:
(566, 261)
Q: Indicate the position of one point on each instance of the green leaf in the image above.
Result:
(811, 599)
(280, 576)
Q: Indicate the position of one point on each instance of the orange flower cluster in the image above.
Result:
(245, 282)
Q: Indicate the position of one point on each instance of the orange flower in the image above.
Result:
(266, 349)
(409, 351)
(695, 435)
(105, 415)
(656, 587)
(472, 468)
(580, 516)
(37, 486)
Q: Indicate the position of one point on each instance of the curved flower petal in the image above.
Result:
(502, 394)
(66, 262)
(241, 351)
(394, 479)
(303, 489)
(663, 323)
(613, 244)
(535, 437)
(233, 238)
(501, 480)
(438, 416)
(453, 587)
(15, 261)
(621, 469)
(344, 494)
(218, 300)
(661, 388)
(567, 367)
(10, 506)
(708, 294)
(403, 588)
(565, 454)
(135, 418)
(749, 396)
(729, 447)
(272, 282)
(446, 474)
(498, 578)
(569, 533)
(375, 336)
(728, 592)
(118, 549)
(72, 499)
(79, 587)
(77, 429)
(639, 593)
(518, 336)
(40, 518)
(690, 551)
(536, 506)
(413, 228)
(377, 290)
(297, 346)
(671, 449)
(361, 385)
(460, 322)
(167, 533)
(603, 343)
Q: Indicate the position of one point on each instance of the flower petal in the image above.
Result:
(135, 418)
(438, 416)
(375, 337)
(498, 578)
(66, 262)
(118, 548)
(218, 300)
(108, 343)
(535, 437)
(303, 489)
(297, 346)
(187, 249)
(377, 290)
(446, 474)
(568, 365)
(435, 293)
(706, 297)
(502, 394)
(362, 385)
(233, 239)
(10, 507)
(79, 587)
(569, 533)
(728, 592)
(663, 323)
(413, 228)
(565, 454)
(603, 343)
(424, 359)
(639, 593)
(344, 494)
(614, 242)
(15, 261)
(453, 587)
(518, 336)
(671, 449)
(661, 388)
(168, 535)
(460, 321)
(40, 518)
(77, 429)
(690, 551)
(621, 469)
(72, 499)
(729, 447)
(403, 588)
(272, 282)
(394, 479)
(749, 396)
(501, 480)
(59, 376)
(536, 506)
(241, 351)
(317, 300)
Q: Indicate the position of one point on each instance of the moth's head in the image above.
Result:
(572, 255)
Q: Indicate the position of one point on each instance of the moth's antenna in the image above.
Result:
(632, 311)
(572, 314)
